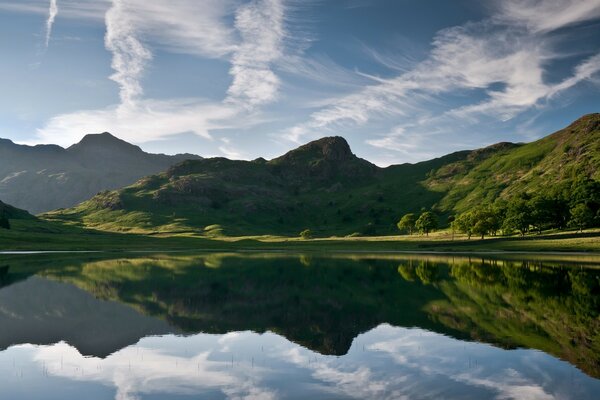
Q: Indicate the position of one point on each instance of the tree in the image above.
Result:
(427, 222)
(480, 221)
(486, 221)
(548, 211)
(407, 223)
(464, 223)
(306, 234)
(4, 223)
(518, 216)
(450, 220)
(581, 216)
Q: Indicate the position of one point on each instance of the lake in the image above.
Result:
(299, 326)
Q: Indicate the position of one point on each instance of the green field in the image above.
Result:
(40, 235)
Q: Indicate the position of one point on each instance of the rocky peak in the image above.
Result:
(103, 141)
(334, 148)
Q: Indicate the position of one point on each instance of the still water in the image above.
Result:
(271, 326)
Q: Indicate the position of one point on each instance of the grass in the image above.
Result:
(40, 235)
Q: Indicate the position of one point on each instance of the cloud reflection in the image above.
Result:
(384, 363)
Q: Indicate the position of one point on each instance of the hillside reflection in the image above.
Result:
(321, 303)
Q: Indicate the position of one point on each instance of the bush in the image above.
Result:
(306, 234)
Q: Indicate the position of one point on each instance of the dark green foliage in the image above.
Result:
(464, 223)
(481, 221)
(306, 234)
(518, 216)
(407, 223)
(549, 209)
(4, 222)
(581, 216)
(427, 222)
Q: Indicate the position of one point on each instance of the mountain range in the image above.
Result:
(323, 186)
(47, 177)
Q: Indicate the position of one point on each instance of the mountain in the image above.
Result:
(564, 156)
(11, 212)
(46, 177)
(325, 187)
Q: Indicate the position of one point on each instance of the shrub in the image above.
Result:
(306, 234)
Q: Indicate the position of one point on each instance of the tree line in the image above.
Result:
(575, 205)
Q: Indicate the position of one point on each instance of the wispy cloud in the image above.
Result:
(142, 121)
(129, 54)
(198, 28)
(548, 15)
(252, 42)
(505, 57)
(52, 12)
(72, 9)
(261, 26)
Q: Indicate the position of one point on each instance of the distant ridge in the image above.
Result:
(47, 177)
(323, 186)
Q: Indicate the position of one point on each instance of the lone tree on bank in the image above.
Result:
(306, 234)
(427, 222)
(407, 223)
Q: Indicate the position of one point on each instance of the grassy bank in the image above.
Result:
(42, 235)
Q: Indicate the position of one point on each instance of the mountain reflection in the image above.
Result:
(320, 303)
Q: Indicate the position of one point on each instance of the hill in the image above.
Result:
(10, 212)
(47, 177)
(562, 157)
(325, 187)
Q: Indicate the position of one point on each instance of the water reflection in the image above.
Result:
(358, 326)
(386, 362)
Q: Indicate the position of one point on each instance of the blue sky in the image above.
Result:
(401, 80)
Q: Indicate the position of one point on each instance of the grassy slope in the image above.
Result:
(562, 156)
(323, 187)
(32, 234)
(249, 198)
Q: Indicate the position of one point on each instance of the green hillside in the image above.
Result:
(557, 159)
(323, 186)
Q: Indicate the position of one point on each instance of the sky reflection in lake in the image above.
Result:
(385, 363)
(271, 326)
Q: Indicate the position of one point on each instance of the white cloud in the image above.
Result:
(385, 363)
(252, 44)
(144, 121)
(52, 12)
(192, 27)
(548, 15)
(72, 9)
(261, 26)
(129, 54)
(504, 57)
